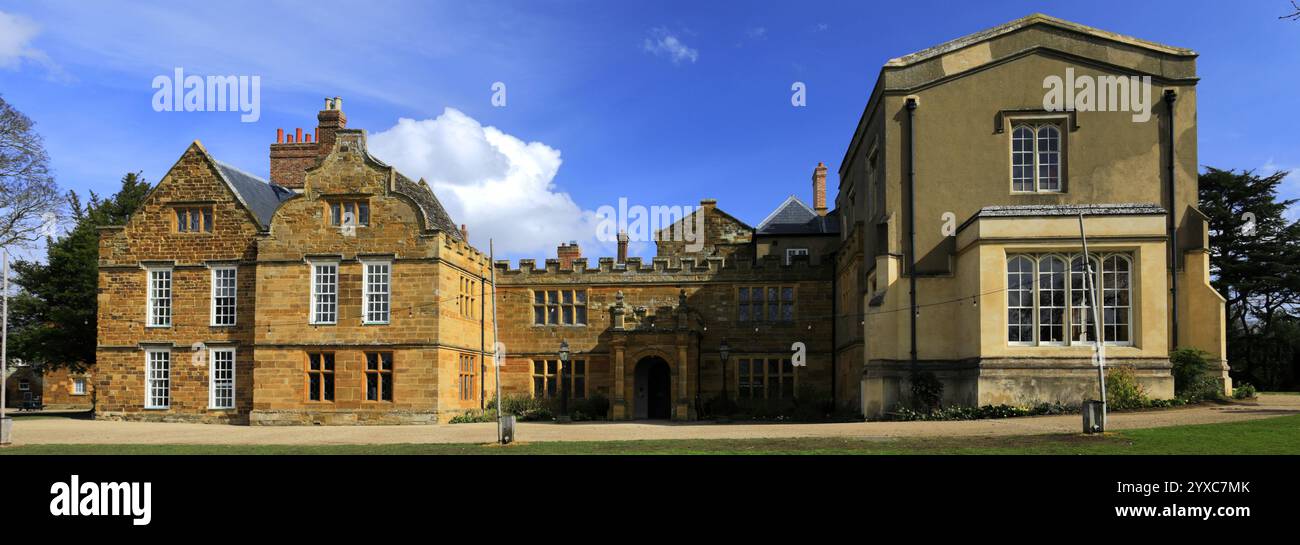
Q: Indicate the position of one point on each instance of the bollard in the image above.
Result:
(1092, 421)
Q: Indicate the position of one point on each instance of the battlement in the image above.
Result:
(462, 247)
(659, 269)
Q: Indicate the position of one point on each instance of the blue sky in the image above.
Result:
(659, 102)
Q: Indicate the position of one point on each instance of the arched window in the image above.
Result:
(1020, 300)
(1049, 158)
(1022, 158)
(1036, 157)
(1115, 299)
(1051, 300)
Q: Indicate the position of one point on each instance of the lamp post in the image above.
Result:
(724, 352)
(565, 379)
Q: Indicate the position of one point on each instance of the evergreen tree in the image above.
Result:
(1255, 264)
(53, 317)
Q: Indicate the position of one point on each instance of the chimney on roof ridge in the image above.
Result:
(292, 154)
(464, 232)
(819, 189)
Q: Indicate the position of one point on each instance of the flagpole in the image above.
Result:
(496, 362)
(4, 350)
(1099, 347)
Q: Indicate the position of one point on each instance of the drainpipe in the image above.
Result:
(911, 219)
(1170, 97)
(482, 341)
(833, 258)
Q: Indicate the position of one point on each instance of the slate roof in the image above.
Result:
(793, 217)
(435, 216)
(257, 195)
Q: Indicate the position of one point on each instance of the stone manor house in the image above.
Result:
(342, 292)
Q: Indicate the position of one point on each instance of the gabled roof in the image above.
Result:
(793, 217)
(1027, 21)
(260, 197)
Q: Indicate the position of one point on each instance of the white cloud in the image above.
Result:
(757, 33)
(16, 34)
(499, 185)
(662, 42)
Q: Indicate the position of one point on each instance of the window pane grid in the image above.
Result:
(223, 379)
(377, 293)
(325, 294)
(560, 307)
(158, 380)
(224, 287)
(160, 298)
(1039, 311)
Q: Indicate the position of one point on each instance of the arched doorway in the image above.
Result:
(653, 389)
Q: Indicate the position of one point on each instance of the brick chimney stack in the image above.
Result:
(293, 153)
(622, 246)
(567, 253)
(819, 189)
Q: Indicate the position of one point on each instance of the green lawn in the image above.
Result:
(1279, 435)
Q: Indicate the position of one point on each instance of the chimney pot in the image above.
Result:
(622, 246)
(464, 232)
(297, 134)
(279, 136)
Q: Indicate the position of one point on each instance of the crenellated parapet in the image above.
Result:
(662, 269)
(456, 246)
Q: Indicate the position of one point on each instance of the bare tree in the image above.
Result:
(29, 199)
(1294, 15)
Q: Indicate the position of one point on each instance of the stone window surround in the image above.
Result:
(763, 319)
(560, 306)
(1064, 123)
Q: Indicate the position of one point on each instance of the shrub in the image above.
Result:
(475, 415)
(1123, 391)
(1204, 388)
(927, 391)
(527, 408)
(982, 413)
(1245, 391)
(1189, 366)
(592, 407)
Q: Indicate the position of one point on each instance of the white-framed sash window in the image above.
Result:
(221, 378)
(159, 305)
(377, 291)
(225, 281)
(324, 293)
(157, 386)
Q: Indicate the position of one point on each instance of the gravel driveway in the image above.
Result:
(71, 431)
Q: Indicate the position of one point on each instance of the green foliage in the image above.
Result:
(592, 407)
(927, 391)
(475, 415)
(808, 405)
(902, 413)
(1244, 391)
(1255, 265)
(1189, 365)
(1123, 391)
(54, 316)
